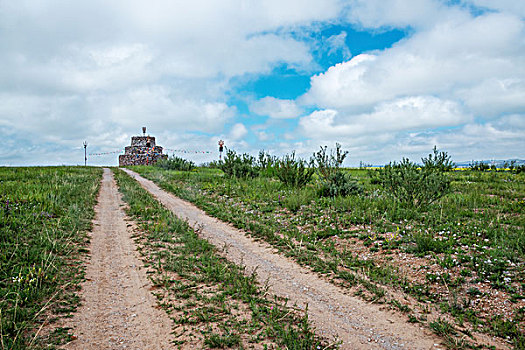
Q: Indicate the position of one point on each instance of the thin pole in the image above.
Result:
(85, 153)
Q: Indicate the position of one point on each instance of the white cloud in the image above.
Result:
(161, 107)
(495, 96)
(263, 136)
(201, 39)
(396, 13)
(337, 43)
(501, 138)
(107, 121)
(276, 108)
(411, 113)
(343, 84)
(238, 132)
(453, 60)
(510, 6)
(98, 71)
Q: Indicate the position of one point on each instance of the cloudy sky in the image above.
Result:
(385, 78)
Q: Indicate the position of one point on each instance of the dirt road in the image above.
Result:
(118, 311)
(333, 313)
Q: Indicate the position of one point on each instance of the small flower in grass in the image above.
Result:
(18, 278)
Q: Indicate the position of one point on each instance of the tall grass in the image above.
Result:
(44, 216)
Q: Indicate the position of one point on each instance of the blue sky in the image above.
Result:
(386, 79)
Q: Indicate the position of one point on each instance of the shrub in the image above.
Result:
(414, 186)
(339, 184)
(518, 169)
(214, 164)
(294, 172)
(239, 166)
(267, 164)
(176, 163)
(438, 161)
(328, 165)
(478, 166)
(334, 181)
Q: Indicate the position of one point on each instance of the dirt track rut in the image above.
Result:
(359, 325)
(118, 311)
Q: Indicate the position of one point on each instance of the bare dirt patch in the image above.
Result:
(359, 325)
(118, 311)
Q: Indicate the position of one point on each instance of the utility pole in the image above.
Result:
(85, 153)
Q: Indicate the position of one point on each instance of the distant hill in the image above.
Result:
(499, 163)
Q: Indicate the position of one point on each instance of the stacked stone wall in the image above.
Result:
(143, 141)
(140, 159)
(142, 151)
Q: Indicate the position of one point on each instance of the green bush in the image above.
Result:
(334, 182)
(519, 169)
(339, 184)
(214, 164)
(438, 161)
(414, 186)
(294, 172)
(267, 164)
(239, 166)
(175, 163)
(478, 166)
(328, 165)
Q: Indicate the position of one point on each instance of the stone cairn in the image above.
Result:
(142, 151)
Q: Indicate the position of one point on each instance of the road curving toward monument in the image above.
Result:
(333, 313)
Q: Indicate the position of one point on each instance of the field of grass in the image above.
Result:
(44, 216)
(214, 303)
(456, 266)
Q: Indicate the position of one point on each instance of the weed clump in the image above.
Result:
(175, 163)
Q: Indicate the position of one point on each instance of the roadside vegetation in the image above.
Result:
(214, 303)
(44, 216)
(175, 163)
(444, 247)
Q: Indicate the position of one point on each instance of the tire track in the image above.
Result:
(118, 311)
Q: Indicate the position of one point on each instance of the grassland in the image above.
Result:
(44, 216)
(214, 303)
(456, 266)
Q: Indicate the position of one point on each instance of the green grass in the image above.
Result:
(44, 216)
(213, 302)
(474, 235)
